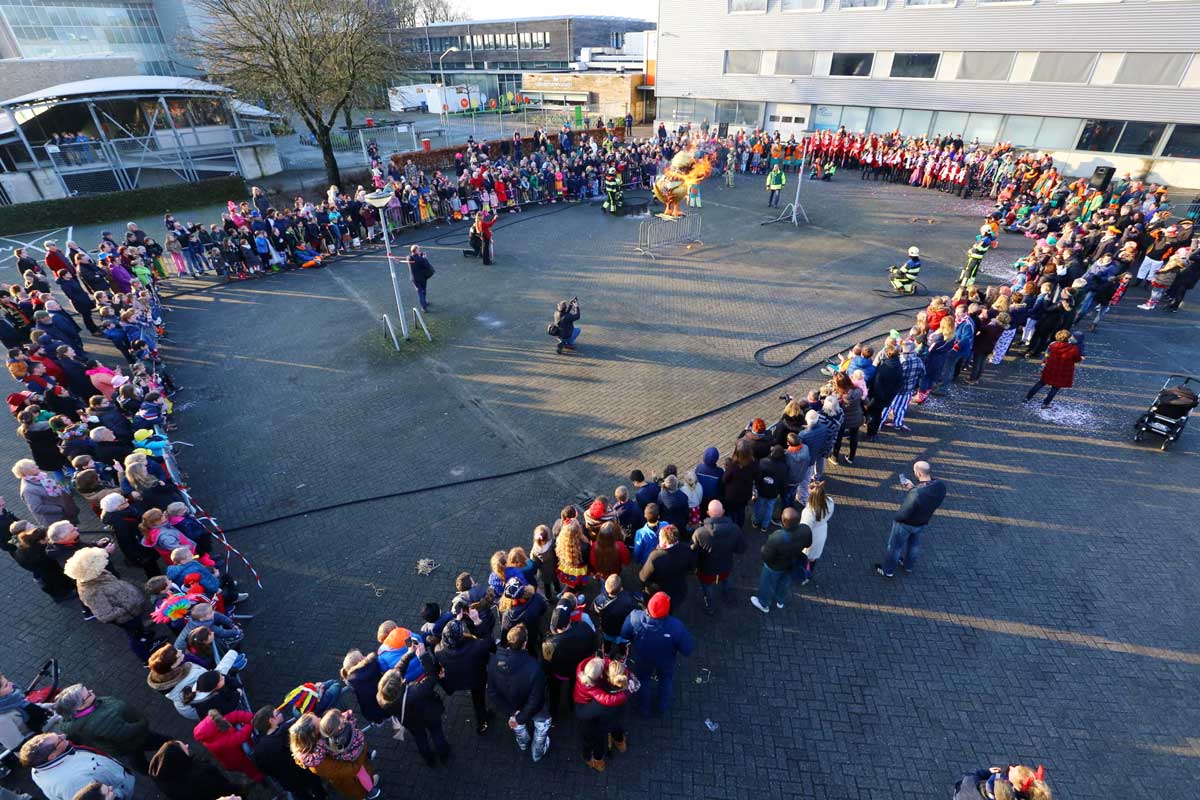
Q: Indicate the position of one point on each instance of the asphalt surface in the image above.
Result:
(1050, 620)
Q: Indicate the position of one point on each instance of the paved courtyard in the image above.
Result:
(1051, 620)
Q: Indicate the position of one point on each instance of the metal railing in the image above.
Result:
(655, 234)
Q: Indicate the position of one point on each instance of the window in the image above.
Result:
(802, 5)
(1057, 133)
(1184, 142)
(750, 114)
(1140, 138)
(1100, 135)
(1063, 67)
(949, 123)
(984, 127)
(929, 3)
(510, 41)
(826, 118)
(854, 118)
(726, 111)
(985, 65)
(852, 65)
(1021, 131)
(862, 4)
(915, 123)
(794, 62)
(1152, 69)
(523, 40)
(616, 40)
(884, 120)
(747, 6)
(742, 62)
(915, 65)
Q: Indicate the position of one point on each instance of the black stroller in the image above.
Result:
(1168, 414)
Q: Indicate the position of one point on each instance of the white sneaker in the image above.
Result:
(1146, 306)
(754, 601)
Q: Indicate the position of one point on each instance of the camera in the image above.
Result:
(787, 398)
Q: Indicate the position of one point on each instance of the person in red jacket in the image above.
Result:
(601, 692)
(225, 736)
(1058, 370)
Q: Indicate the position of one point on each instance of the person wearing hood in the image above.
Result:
(658, 640)
(180, 776)
(110, 599)
(710, 476)
(568, 642)
(106, 724)
(417, 704)
(522, 605)
(171, 673)
(61, 770)
(227, 736)
(462, 661)
(516, 686)
(43, 442)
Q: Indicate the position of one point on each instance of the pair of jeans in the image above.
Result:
(1037, 387)
(421, 297)
(847, 432)
(978, 364)
(763, 508)
(773, 586)
(430, 740)
(954, 363)
(570, 340)
(773, 198)
(904, 544)
(645, 670)
(708, 589)
(540, 736)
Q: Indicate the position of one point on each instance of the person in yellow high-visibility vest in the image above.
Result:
(776, 180)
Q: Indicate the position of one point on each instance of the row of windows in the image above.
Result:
(760, 6)
(1043, 133)
(1137, 69)
(92, 14)
(79, 38)
(525, 40)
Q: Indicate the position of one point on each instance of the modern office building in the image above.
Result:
(1093, 81)
(492, 54)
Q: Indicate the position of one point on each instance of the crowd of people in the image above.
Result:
(584, 621)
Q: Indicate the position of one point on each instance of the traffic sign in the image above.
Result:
(465, 103)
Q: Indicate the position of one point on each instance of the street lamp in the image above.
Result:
(379, 200)
(442, 70)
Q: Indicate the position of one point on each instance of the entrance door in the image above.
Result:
(788, 118)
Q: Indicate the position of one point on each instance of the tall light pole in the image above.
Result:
(379, 200)
(442, 71)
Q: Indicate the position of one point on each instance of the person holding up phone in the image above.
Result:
(564, 327)
(921, 501)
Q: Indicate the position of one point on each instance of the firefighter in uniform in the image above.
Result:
(983, 243)
(904, 277)
(612, 191)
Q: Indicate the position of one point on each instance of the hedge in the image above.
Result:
(90, 209)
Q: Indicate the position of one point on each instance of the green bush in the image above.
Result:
(89, 209)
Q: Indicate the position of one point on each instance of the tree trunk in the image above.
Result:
(331, 166)
(346, 115)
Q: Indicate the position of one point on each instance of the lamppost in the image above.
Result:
(442, 70)
(379, 200)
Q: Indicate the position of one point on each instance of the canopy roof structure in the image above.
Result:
(123, 85)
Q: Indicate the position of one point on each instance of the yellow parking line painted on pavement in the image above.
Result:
(1016, 629)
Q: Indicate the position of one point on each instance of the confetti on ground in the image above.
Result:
(1071, 415)
(426, 566)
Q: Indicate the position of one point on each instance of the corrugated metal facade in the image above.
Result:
(694, 35)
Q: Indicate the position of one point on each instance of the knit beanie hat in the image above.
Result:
(659, 605)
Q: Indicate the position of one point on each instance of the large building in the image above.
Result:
(1094, 81)
(493, 54)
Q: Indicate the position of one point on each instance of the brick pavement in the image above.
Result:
(1060, 572)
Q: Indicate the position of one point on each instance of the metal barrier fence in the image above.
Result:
(655, 234)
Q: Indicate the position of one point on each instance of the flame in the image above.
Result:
(698, 170)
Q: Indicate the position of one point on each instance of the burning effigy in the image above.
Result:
(684, 171)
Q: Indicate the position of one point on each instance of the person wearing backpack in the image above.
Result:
(563, 327)
(420, 270)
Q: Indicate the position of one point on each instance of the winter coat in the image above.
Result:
(178, 776)
(760, 442)
(43, 446)
(173, 689)
(63, 777)
(673, 509)
(226, 746)
(667, 570)
(273, 756)
(363, 679)
(612, 611)
(989, 334)
(464, 667)
(112, 726)
(772, 477)
(785, 426)
(561, 652)
(516, 684)
(710, 476)
(657, 642)
(798, 462)
(111, 599)
(528, 613)
(715, 543)
(964, 337)
(783, 548)
(1059, 369)
(738, 484)
(852, 407)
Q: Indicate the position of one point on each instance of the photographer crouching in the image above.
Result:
(563, 327)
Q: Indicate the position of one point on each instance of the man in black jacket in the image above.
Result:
(464, 661)
(612, 607)
(569, 642)
(273, 756)
(782, 554)
(921, 501)
(517, 686)
(715, 543)
(420, 271)
(886, 383)
(668, 567)
(565, 317)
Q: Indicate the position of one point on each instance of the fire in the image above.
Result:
(697, 170)
(684, 171)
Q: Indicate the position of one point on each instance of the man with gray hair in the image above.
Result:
(61, 770)
(917, 509)
(107, 724)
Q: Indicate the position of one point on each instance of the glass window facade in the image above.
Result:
(741, 6)
(1184, 142)
(105, 27)
(802, 5)
(852, 65)
(743, 62)
(1152, 69)
(794, 62)
(1100, 135)
(1063, 67)
(1140, 138)
(915, 65)
(985, 65)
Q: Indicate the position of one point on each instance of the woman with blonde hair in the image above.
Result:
(601, 692)
(571, 548)
(816, 515)
(335, 750)
(939, 342)
(110, 599)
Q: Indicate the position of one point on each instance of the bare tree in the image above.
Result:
(310, 55)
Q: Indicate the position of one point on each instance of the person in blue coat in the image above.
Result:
(658, 639)
(960, 348)
(709, 475)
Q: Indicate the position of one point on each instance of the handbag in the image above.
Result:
(552, 330)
